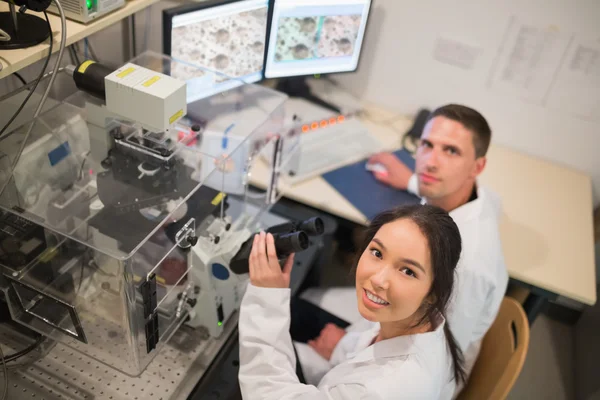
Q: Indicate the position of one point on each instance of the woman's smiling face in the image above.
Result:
(394, 274)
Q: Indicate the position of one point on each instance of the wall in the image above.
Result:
(398, 70)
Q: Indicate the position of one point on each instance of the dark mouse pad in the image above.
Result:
(364, 192)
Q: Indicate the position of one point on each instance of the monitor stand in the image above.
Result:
(25, 30)
(297, 87)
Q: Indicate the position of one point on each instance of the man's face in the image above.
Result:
(445, 159)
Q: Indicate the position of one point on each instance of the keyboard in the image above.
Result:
(328, 148)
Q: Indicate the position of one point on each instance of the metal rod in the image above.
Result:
(13, 14)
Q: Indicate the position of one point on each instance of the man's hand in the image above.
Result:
(265, 270)
(397, 175)
(327, 340)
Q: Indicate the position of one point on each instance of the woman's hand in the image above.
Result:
(327, 340)
(265, 270)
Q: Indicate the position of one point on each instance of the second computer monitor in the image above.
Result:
(315, 37)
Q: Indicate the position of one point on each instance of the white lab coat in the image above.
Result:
(406, 367)
(481, 273)
(479, 287)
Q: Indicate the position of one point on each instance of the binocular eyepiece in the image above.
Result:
(289, 238)
(313, 226)
(290, 243)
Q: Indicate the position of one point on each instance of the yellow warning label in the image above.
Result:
(218, 198)
(126, 72)
(151, 81)
(84, 65)
(176, 116)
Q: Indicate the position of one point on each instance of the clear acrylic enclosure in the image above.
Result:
(97, 218)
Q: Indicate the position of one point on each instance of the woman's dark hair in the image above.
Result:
(445, 245)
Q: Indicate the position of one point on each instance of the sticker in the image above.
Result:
(176, 116)
(84, 65)
(123, 74)
(59, 153)
(218, 198)
(151, 81)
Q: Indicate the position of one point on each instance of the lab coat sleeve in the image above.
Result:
(413, 185)
(267, 360)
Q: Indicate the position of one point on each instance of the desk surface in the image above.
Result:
(547, 229)
(14, 60)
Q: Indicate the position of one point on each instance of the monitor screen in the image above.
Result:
(226, 37)
(315, 36)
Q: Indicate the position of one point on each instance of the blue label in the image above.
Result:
(59, 153)
(220, 272)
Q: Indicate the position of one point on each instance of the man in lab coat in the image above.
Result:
(450, 157)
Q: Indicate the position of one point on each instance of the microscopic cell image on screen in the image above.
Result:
(314, 37)
(233, 44)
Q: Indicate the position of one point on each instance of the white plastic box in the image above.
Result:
(154, 100)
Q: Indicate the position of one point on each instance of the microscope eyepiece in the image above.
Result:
(313, 226)
(291, 243)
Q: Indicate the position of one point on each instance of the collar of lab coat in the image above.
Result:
(398, 346)
(473, 209)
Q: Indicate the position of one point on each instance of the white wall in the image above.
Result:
(398, 70)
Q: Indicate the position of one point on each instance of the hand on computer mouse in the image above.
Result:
(397, 173)
(376, 168)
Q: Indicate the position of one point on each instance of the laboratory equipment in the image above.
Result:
(85, 11)
(22, 30)
(314, 38)
(129, 237)
(289, 238)
(224, 36)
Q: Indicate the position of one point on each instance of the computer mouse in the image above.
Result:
(377, 168)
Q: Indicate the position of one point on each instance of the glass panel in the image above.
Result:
(111, 236)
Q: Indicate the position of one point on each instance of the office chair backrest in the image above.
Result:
(502, 355)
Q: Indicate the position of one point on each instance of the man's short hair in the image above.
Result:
(470, 119)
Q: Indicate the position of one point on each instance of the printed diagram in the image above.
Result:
(302, 38)
(233, 45)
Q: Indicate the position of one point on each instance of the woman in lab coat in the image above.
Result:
(403, 350)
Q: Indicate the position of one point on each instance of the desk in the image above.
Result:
(547, 229)
(14, 60)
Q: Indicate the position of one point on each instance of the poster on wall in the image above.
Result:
(528, 59)
(576, 89)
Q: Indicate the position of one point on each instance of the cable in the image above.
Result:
(91, 50)
(83, 164)
(73, 55)
(20, 77)
(5, 391)
(37, 81)
(25, 351)
(24, 87)
(63, 40)
(4, 37)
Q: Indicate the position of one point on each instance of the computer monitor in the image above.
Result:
(224, 36)
(310, 37)
(313, 37)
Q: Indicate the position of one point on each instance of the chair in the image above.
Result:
(502, 355)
